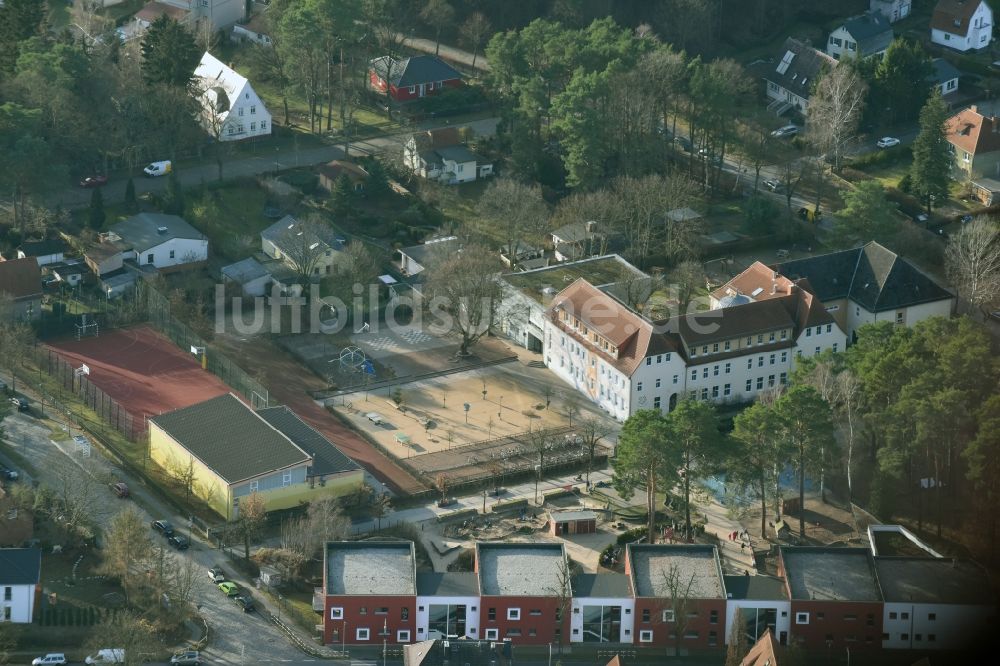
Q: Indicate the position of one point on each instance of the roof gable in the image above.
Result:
(213, 75)
(954, 16)
(415, 70)
(974, 132)
(798, 67)
(146, 230)
(327, 458)
(871, 31)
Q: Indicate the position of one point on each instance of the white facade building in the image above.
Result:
(231, 109)
(20, 573)
(624, 362)
(864, 36)
(603, 609)
(161, 241)
(892, 10)
(447, 605)
(963, 25)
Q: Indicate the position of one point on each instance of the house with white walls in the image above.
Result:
(962, 25)
(603, 609)
(165, 242)
(892, 10)
(20, 576)
(230, 108)
(864, 36)
(624, 362)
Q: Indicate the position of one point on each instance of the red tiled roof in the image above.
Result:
(757, 276)
(763, 653)
(948, 12)
(973, 132)
(20, 278)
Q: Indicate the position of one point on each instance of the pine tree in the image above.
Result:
(130, 202)
(343, 194)
(378, 182)
(932, 158)
(737, 647)
(96, 216)
(173, 202)
(169, 53)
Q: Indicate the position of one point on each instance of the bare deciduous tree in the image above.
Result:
(304, 244)
(687, 279)
(835, 111)
(677, 591)
(972, 260)
(591, 432)
(441, 483)
(16, 339)
(128, 548)
(520, 210)
(129, 632)
(463, 294)
(253, 513)
(475, 31)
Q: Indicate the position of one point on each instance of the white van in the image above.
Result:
(108, 656)
(158, 168)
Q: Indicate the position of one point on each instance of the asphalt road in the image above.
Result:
(236, 637)
(268, 161)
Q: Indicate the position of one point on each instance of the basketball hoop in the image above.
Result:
(83, 370)
(87, 327)
(364, 329)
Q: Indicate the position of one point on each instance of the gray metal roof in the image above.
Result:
(797, 67)
(871, 31)
(767, 588)
(830, 574)
(147, 230)
(245, 270)
(871, 275)
(413, 71)
(384, 568)
(654, 564)
(934, 580)
(602, 586)
(521, 569)
(457, 154)
(230, 438)
(420, 253)
(944, 71)
(450, 584)
(20, 566)
(287, 228)
(328, 459)
(42, 248)
(566, 516)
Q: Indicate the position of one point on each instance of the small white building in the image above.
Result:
(762, 601)
(447, 605)
(252, 31)
(161, 241)
(414, 260)
(293, 243)
(440, 155)
(603, 609)
(864, 36)
(249, 274)
(962, 25)
(44, 251)
(20, 575)
(892, 10)
(945, 76)
(231, 109)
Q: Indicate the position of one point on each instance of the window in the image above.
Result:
(241, 111)
(749, 363)
(492, 614)
(726, 345)
(149, 258)
(362, 634)
(715, 391)
(536, 612)
(645, 615)
(749, 385)
(728, 368)
(784, 334)
(694, 375)
(645, 636)
(899, 317)
(254, 485)
(760, 339)
(760, 383)
(773, 357)
(513, 613)
(820, 616)
(337, 613)
(713, 639)
(656, 402)
(760, 361)
(492, 634)
(363, 610)
(676, 377)
(918, 637)
(932, 616)
(749, 341)
(835, 347)
(770, 380)
(649, 360)
(171, 254)
(715, 371)
(638, 387)
(704, 393)
(809, 332)
(770, 338)
(404, 613)
(382, 610)
(892, 616)
(659, 358)
(657, 382)
(829, 328)
(532, 632)
(885, 637)
(403, 636)
(412, 89)
(931, 638)
(253, 110)
(715, 347)
(513, 632)
(905, 637)
(253, 126)
(668, 616)
(704, 349)
(783, 378)
(784, 357)
(691, 634)
(817, 350)
(263, 125)
(727, 389)
(802, 618)
(851, 617)
(704, 372)
(904, 616)
(870, 620)
(286, 478)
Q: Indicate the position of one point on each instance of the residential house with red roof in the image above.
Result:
(975, 138)
(406, 79)
(963, 25)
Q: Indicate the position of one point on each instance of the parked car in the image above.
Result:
(178, 542)
(94, 181)
(231, 589)
(217, 574)
(9, 474)
(49, 659)
(781, 254)
(107, 656)
(245, 601)
(773, 184)
(20, 404)
(787, 130)
(887, 142)
(684, 143)
(375, 418)
(995, 315)
(163, 526)
(188, 658)
(155, 169)
(120, 489)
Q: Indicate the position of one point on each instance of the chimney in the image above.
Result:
(774, 288)
(974, 108)
(789, 288)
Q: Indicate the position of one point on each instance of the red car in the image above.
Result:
(94, 181)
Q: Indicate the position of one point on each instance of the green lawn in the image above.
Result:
(232, 217)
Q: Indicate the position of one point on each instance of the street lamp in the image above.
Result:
(538, 475)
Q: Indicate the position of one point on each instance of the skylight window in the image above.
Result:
(785, 62)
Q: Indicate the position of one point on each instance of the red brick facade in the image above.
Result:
(705, 628)
(837, 624)
(535, 622)
(404, 94)
(389, 615)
